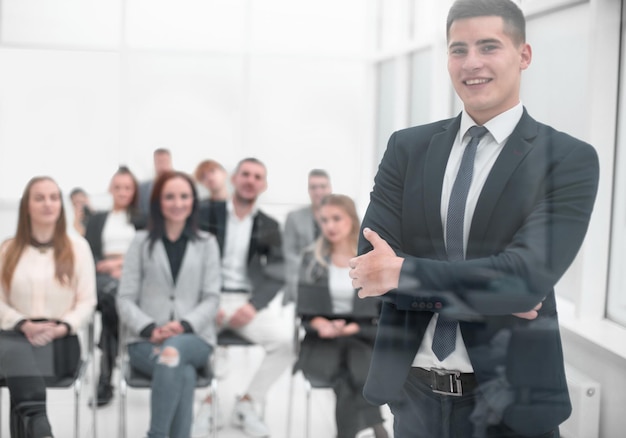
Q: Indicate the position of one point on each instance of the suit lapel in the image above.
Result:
(516, 148)
(434, 170)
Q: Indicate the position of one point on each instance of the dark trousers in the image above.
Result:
(107, 292)
(23, 369)
(425, 414)
(342, 363)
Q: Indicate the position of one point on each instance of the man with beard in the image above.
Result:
(251, 246)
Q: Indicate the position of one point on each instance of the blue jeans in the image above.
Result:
(173, 381)
(425, 414)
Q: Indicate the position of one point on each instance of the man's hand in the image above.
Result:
(378, 271)
(242, 316)
(531, 314)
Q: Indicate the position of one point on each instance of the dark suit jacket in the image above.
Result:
(265, 257)
(529, 223)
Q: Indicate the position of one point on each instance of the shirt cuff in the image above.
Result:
(146, 332)
(188, 328)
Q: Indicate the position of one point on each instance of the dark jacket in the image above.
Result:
(265, 256)
(528, 225)
(314, 299)
(95, 225)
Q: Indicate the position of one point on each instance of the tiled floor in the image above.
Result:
(241, 362)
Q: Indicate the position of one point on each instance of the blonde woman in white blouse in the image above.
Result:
(47, 293)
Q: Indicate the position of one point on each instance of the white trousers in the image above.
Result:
(272, 329)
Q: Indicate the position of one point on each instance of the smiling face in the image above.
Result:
(44, 203)
(122, 189)
(176, 201)
(249, 181)
(485, 66)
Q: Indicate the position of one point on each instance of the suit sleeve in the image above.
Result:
(292, 256)
(267, 268)
(529, 264)
(205, 311)
(130, 288)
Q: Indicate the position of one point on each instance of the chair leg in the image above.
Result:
(77, 387)
(290, 403)
(307, 389)
(122, 404)
(214, 407)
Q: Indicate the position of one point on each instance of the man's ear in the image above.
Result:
(526, 56)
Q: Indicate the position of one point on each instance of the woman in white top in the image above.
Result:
(47, 293)
(109, 234)
(340, 327)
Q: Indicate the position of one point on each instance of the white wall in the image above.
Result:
(285, 81)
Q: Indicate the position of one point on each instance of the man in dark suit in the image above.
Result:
(162, 163)
(252, 274)
(465, 256)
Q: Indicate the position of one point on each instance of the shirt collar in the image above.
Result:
(230, 209)
(500, 127)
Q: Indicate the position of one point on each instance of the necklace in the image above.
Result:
(41, 246)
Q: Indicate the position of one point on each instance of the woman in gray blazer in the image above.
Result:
(168, 299)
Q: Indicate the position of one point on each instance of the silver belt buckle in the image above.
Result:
(442, 378)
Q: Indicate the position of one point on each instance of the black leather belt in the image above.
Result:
(235, 291)
(446, 382)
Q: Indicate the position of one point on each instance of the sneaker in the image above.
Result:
(246, 418)
(203, 421)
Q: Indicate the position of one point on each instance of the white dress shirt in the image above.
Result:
(489, 148)
(236, 247)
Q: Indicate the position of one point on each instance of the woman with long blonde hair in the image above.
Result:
(47, 292)
(340, 327)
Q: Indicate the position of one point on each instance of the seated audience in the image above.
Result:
(47, 293)
(109, 234)
(82, 209)
(213, 180)
(340, 327)
(167, 303)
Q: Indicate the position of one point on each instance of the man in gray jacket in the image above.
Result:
(301, 229)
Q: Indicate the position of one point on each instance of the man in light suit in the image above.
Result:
(528, 203)
(301, 229)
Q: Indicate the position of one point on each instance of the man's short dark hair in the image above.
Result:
(319, 172)
(77, 191)
(512, 15)
(163, 151)
(249, 160)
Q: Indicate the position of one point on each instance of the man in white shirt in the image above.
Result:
(471, 223)
(252, 275)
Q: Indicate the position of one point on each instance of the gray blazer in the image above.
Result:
(299, 233)
(147, 293)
